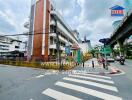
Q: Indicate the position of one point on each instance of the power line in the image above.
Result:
(30, 33)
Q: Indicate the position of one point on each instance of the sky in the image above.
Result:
(90, 17)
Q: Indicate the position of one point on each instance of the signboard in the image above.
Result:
(117, 11)
(104, 41)
(106, 50)
(67, 50)
(79, 56)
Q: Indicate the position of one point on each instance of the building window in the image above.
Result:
(52, 29)
(51, 40)
(16, 47)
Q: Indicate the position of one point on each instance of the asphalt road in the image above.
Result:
(36, 84)
(124, 82)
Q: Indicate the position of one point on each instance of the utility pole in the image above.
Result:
(57, 44)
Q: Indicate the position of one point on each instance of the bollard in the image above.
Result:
(104, 65)
(83, 64)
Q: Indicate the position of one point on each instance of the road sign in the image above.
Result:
(79, 56)
(67, 50)
(104, 41)
(106, 50)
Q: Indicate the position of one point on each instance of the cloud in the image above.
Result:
(94, 19)
(66, 8)
(89, 17)
(6, 23)
(12, 15)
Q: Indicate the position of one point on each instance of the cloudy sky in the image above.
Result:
(90, 17)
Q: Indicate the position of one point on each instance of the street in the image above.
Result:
(124, 82)
(37, 84)
(66, 50)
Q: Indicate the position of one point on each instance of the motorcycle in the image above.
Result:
(122, 62)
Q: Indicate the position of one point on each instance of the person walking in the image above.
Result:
(83, 64)
(93, 63)
(103, 62)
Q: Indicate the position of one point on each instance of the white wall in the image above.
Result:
(12, 46)
(84, 47)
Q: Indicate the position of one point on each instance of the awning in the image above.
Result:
(75, 47)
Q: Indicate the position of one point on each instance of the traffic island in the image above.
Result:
(115, 71)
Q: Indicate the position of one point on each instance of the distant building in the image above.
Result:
(116, 24)
(42, 44)
(76, 34)
(128, 5)
(8, 46)
(85, 46)
(129, 40)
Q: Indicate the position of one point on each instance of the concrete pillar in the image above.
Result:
(112, 54)
(121, 47)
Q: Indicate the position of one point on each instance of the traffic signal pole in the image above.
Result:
(105, 57)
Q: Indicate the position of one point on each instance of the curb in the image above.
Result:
(115, 71)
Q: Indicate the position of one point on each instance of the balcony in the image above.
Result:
(53, 46)
(62, 39)
(52, 35)
(62, 25)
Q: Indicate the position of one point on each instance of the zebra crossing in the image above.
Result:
(71, 83)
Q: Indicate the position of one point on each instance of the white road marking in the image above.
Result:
(40, 76)
(91, 78)
(92, 84)
(59, 95)
(88, 91)
(99, 76)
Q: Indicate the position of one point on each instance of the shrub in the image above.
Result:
(43, 65)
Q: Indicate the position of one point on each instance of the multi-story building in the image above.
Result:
(128, 5)
(85, 46)
(9, 45)
(43, 37)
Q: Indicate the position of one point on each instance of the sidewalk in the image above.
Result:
(98, 69)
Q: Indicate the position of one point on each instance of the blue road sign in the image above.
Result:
(67, 50)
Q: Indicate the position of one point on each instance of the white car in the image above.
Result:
(110, 59)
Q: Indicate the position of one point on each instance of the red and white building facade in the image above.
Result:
(42, 38)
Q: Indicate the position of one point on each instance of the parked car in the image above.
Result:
(117, 58)
(110, 59)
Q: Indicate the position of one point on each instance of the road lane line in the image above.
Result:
(92, 78)
(59, 95)
(88, 91)
(99, 76)
(40, 76)
(112, 88)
